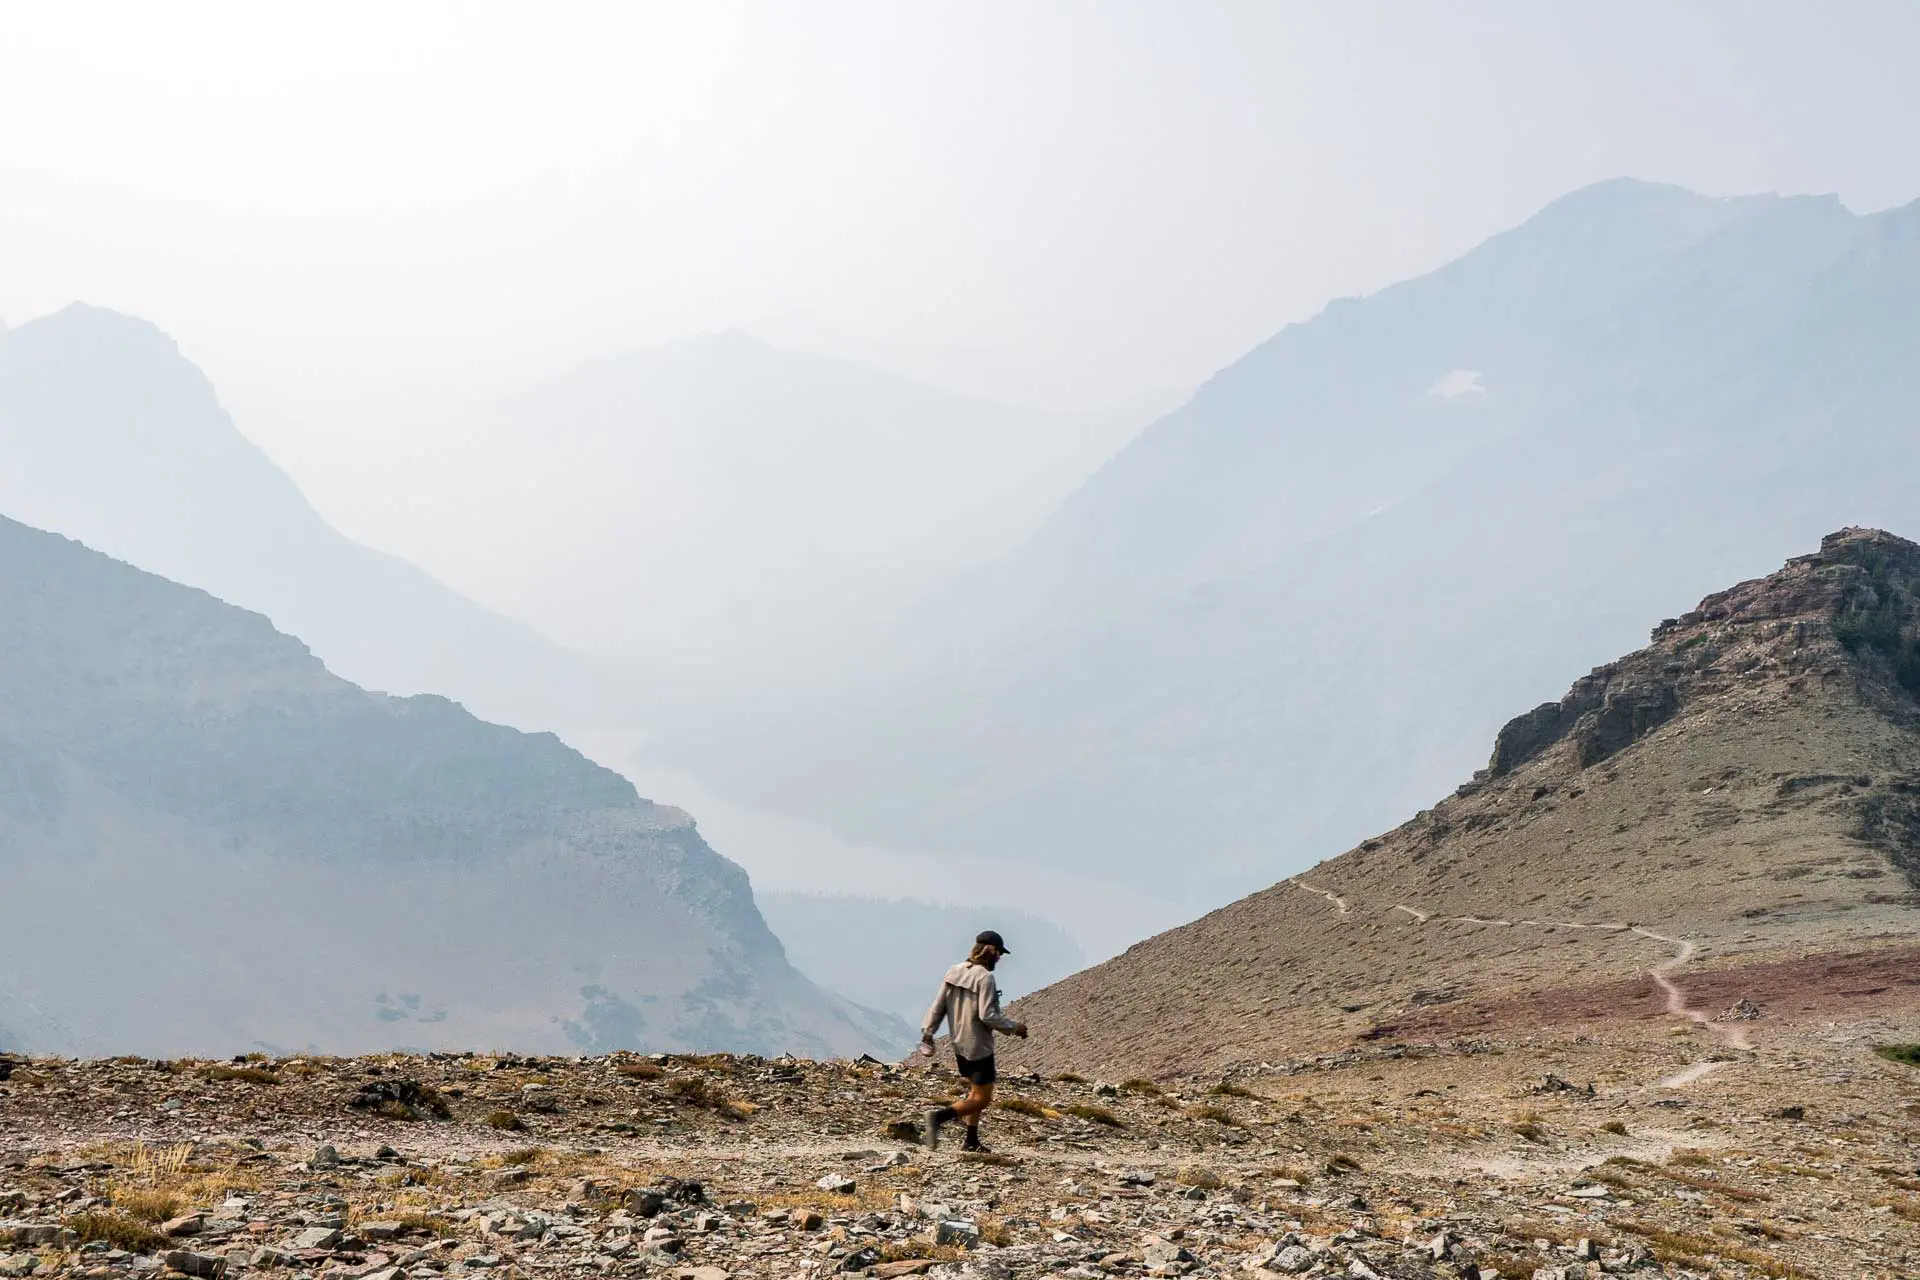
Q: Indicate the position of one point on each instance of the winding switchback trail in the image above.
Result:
(1733, 1035)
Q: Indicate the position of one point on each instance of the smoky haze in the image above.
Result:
(722, 363)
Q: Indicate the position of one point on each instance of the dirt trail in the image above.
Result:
(1328, 894)
(1733, 1035)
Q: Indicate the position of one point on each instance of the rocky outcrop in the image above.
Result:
(1758, 761)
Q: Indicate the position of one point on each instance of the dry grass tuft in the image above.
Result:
(1026, 1107)
(698, 1091)
(148, 1204)
(427, 1224)
(1070, 1077)
(524, 1156)
(1219, 1115)
(1095, 1115)
(506, 1121)
(1684, 1249)
(415, 1177)
(1228, 1089)
(1141, 1086)
(118, 1230)
(639, 1070)
(919, 1250)
(1615, 1127)
(1896, 1177)
(245, 1075)
(169, 1171)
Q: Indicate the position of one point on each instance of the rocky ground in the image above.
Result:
(1659, 1151)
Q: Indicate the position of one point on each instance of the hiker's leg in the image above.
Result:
(978, 1099)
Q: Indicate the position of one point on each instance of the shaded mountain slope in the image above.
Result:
(109, 435)
(209, 842)
(1748, 784)
(1298, 606)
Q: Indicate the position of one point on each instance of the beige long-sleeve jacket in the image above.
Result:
(969, 1003)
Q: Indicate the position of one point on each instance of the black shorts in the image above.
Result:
(976, 1070)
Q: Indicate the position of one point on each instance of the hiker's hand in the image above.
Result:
(1021, 1031)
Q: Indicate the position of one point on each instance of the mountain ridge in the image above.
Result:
(1252, 696)
(110, 435)
(348, 868)
(1741, 788)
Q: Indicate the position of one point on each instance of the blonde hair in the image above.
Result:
(979, 952)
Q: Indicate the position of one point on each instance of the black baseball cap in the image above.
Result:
(989, 938)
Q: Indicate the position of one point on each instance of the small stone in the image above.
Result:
(380, 1230)
(204, 1266)
(1293, 1260)
(838, 1184)
(1200, 1176)
(956, 1231)
(324, 1157)
(701, 1273)
(517, 1176)
(811, 1220)
(860, 1259)
(269, 1257)
(14, 1266)
(317, 1238)
(38, 1233)
(187, 1224)
(643, 1202)
(1164, 1253)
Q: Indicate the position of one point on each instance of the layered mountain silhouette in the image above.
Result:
(209, 842)
(109, 435)
(1735, 807)
(1300, 604)
(724, 510)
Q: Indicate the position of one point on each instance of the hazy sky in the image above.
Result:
(338, 207)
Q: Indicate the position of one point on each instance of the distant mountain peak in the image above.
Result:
(83, 330)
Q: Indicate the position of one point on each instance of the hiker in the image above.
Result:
(969, 1003)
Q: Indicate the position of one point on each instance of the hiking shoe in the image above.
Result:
(931, 1133)
(973, 1143)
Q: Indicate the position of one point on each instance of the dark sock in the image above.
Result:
(945, 1114)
